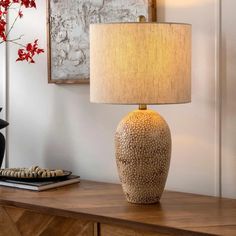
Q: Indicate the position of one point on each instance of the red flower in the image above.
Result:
(31, 49)
(3, 29)
(20, 14)
(2, 13)
(5, 4)
(27, 54)
(28, 3)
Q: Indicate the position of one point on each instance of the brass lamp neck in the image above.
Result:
(142, 19)
(142, 107)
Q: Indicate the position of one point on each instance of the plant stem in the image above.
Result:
(19, 44)
(13, 23)
(13, 40)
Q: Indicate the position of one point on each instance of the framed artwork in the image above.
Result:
(68, 32)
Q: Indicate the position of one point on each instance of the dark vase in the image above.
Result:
(3, 124)
(2, 148)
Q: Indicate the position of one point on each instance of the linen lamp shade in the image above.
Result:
(140, 63)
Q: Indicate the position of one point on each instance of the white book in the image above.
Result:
(39, 186)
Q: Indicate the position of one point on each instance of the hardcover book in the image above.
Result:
(39, 186)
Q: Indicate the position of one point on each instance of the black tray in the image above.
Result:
(39, 179)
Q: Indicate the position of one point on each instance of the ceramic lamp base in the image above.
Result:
(143, 150)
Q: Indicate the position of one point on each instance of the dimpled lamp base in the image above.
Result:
(143, 150)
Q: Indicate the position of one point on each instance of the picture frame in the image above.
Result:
(68, 32)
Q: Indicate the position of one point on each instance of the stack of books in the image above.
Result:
(39, 186)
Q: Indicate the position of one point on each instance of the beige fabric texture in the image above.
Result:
(140, 63)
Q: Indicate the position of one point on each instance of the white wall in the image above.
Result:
(228, 98)
(56, 126)
(195, 159)
(2, 74)
(2, 79)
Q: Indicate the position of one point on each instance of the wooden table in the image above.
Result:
(100, 209)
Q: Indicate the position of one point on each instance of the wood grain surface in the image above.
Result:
(109, 230)
(176, 214)
(21, 222)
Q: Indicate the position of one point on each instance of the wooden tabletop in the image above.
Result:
(178, 212)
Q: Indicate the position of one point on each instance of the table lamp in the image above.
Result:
(141, 63)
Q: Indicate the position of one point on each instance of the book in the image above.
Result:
(39, 186)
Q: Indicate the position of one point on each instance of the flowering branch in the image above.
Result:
(28, 51)
(14, 22)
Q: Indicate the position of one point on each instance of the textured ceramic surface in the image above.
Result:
(143, 150)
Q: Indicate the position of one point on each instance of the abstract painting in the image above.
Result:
(68, 32)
